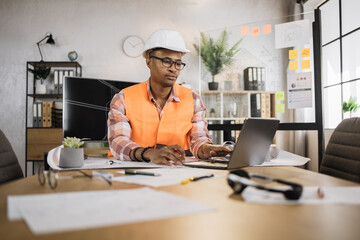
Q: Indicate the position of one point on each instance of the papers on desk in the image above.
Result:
(277, 157)
(331, 195)
(168, 176)
(97, 163)
(58, 212)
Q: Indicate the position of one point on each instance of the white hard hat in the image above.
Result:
(165, 38)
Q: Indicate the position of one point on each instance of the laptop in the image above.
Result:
(251, 147)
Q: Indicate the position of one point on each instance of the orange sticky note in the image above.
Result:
(255, 31)
(245, 30)
(305, 64)
(305, 52)
(266, 28)
(293, 54)
(293, 65)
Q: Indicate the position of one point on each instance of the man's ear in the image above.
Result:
(148, 60)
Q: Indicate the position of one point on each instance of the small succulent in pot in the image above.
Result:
(72, 142)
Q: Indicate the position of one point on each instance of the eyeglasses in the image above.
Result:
(240, 179)
(168, 62)
(52, 177)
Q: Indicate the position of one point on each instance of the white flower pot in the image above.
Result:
(71, 158)
(40, 88)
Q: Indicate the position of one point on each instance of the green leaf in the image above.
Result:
(214, 54)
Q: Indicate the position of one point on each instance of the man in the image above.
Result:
(157, 120)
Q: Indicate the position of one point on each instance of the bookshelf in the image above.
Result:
(233, 107)
(43, 121)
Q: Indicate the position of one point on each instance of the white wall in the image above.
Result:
(96, 29)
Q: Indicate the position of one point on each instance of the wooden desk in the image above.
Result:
(233, 218)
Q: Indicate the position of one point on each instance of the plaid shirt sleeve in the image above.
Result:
(199, 133)
(119, 129)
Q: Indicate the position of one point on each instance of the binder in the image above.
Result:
(49, 113)
(61, 75)
(71, 73)
(255, 79)
(262, 82)
(56, 82)
(39, 114)
(35, 123)
(248, 78)
(44, 114)
(265, 105)
(259, 79)
(255, 104)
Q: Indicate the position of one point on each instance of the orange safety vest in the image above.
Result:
(146, 127)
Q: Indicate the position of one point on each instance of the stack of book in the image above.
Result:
(56, 114)
(260, 105)
(254, 78)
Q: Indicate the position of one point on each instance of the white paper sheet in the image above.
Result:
(290, 34)
(299, 87)
(332, 195)
(168, 176)
(277, 157)
(97, 163)
(50, 213)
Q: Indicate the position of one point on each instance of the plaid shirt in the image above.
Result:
(119, 129)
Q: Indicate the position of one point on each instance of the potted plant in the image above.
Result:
(350, 106)
(215, 55)
(40, 73)
(72, 156)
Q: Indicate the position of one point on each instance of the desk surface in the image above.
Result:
(232, 219)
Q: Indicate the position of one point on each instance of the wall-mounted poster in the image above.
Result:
(291, 34)
(299, 87)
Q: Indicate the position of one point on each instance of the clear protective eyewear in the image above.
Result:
(52, 177)
(168, 62)
(240, 179)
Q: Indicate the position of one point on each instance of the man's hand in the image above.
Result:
(168, 155)
(208, 150)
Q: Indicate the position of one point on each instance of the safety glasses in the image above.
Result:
(168, 62)
(240, 179)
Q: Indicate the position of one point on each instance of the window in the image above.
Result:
(340, 30)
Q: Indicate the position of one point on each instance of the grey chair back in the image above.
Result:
(342, 155)
(9, 165)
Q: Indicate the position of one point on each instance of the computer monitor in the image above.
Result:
(86, 103)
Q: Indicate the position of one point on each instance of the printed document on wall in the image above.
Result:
(296, 33)
(299, 87)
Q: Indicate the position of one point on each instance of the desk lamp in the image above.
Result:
(49, 40)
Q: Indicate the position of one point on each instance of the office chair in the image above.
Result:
(342, 155)
(9, 165)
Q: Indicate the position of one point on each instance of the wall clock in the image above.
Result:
(133, 46)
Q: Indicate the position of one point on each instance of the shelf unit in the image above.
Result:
(39, 140)
(232, 107)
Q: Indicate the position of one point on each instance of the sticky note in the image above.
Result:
(293, 65)
(280, 108)
(255, 31)
(305, 64)
(245, 30)
(280, 96)
(266, 29)
(293, 54)
(305, 52)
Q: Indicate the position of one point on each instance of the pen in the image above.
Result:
(133, 172)
(196, 179)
